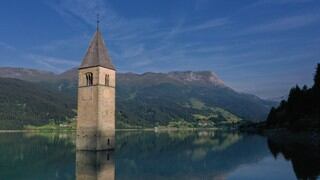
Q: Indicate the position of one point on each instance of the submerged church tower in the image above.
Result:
(96, 98)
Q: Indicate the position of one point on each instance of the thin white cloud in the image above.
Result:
(6, 46)
(124, 35)
(128, 37)
(209, 49)
(207, 25)
(277, 2)
(260, 2)
(62, 44)
(81, 10)
(86, 11)
(52, 63)
(284, 24)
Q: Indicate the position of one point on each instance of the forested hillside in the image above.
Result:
(191, 96)
(25, 103)
(302, 109)
(176, 99)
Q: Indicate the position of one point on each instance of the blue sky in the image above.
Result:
(262, 47)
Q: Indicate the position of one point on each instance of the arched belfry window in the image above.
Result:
(107, 80)
(89, 79)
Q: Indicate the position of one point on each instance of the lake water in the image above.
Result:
(166, 155)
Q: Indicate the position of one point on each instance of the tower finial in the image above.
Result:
(98, 21)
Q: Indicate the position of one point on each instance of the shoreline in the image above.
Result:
(117, 130)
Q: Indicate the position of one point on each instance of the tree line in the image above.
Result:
(301, 111)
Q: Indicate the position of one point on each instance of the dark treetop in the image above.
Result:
(302, 109)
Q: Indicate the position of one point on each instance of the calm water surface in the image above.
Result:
(165, 155)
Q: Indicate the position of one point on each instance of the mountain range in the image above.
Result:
(181, 98)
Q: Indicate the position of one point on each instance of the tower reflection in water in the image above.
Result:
(95, 165)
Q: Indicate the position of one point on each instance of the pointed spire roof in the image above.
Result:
(97, 53)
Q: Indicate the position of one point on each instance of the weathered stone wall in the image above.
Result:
(96, 110)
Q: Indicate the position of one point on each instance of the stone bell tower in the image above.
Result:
(96, 98)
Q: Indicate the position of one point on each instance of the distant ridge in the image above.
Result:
(148, 99)
(186, 77)
(26, 74)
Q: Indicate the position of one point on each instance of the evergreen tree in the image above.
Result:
(305, 88)
(302, 109)
(316, 93)
(317, 78)
(271, 117)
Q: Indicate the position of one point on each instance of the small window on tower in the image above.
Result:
(107, 80)
(89, 79)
